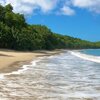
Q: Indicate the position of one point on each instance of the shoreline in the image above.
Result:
(84, 56)
(11, 60)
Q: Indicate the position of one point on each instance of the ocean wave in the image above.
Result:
(85, 56)
(21, 70)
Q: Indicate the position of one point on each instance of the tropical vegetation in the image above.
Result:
(16, 34)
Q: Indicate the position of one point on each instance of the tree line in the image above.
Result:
(16, 34)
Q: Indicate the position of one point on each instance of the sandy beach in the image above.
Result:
(12, 60)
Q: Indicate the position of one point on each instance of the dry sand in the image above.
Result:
(12, 60)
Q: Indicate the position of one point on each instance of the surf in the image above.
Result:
(85, 56)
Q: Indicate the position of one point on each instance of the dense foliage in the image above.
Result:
(15, 33)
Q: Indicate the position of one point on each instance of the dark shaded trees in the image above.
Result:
(15, 33)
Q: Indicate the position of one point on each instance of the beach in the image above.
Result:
(48, 75)
(11, 60)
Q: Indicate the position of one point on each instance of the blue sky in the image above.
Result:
(77, 18)
(83, 25)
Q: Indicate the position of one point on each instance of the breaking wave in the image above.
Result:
(57, 77)
(85, 56)
(21, 70)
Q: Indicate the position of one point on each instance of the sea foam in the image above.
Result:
(21, 70)
(85, 56)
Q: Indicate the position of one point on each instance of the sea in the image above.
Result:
(70, 75)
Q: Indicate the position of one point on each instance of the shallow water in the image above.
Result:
(59, 77)
(94, 52)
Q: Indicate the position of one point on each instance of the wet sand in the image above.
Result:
(11, 60)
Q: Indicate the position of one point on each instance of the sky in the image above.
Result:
(77, 18)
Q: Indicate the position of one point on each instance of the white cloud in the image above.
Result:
(67, 11)
(29, 6)
(91, 5)
(45, 6)
(83, 3)
(2, 2)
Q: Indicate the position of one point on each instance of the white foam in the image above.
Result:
(83, 95)
(24, 68)
(1, 76)
(86, 57)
